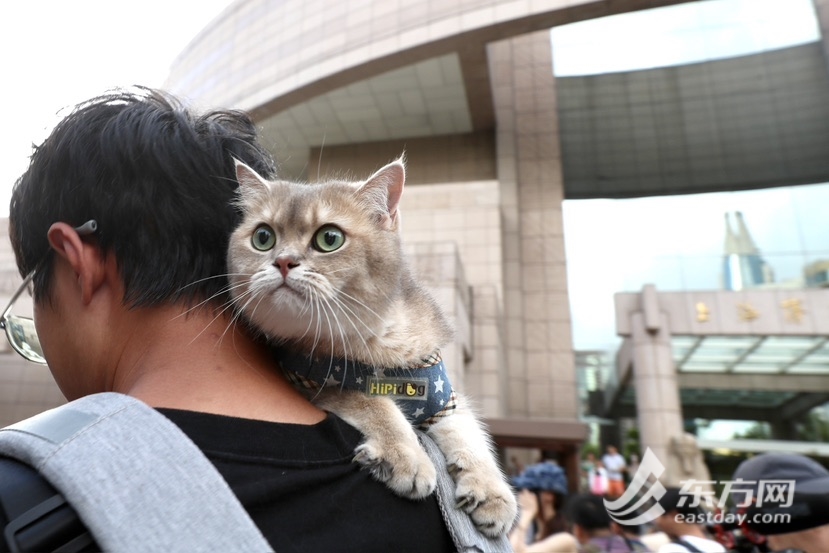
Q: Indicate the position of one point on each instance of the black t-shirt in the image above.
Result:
(301, 488)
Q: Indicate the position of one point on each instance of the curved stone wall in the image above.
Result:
(265, 56)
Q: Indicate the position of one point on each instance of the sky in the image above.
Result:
(56, 53)
(680, 34)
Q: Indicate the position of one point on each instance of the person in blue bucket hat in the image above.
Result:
(542, 525)
(546, 476)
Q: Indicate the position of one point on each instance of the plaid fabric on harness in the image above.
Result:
(422, 391)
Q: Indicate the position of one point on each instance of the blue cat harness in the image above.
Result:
(422, 391)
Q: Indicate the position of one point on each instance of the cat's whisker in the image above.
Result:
(319, 160)
(367, 353)
(225, 275)
(343, 340)
(347, 313)
(314, 318)
(251, 296)
(328, 320)
(235, 317)
(227, 306)
(318, 302)
(313, 298)
(307, 307)
(361, 304)
(224, 290)
(345, 308)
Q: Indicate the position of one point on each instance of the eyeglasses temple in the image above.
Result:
(20, 290)
(89, 227)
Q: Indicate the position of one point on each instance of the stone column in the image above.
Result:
(538, 332)
(822, 13)
(657, 387)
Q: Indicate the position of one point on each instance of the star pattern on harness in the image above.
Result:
(410, 387)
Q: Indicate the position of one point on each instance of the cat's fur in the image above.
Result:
(362, 303)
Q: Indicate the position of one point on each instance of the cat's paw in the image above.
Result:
(486, 497)
(407, 471)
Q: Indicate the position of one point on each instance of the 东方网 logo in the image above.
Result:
(644, 490)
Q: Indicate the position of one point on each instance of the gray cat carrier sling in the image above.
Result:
(138, 484)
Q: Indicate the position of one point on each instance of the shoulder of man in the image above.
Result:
(91, 451)
(63, 428)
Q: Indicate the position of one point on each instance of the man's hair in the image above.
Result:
(589, 512)
(158, 179)
(673, 501)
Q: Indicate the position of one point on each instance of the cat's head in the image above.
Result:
(318, 262)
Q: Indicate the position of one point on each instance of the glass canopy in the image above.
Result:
(751, 354)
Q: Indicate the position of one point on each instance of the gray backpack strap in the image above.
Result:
(467, 538)
(135, 479)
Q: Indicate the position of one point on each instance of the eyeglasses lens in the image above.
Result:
(23, 338)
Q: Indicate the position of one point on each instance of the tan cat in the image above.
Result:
(319, 268)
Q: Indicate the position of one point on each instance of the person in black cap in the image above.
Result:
(785, 497)
(682, 523)
(592, 527)
(542, 525)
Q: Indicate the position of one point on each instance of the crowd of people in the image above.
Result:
(553, 520)
(606, 476)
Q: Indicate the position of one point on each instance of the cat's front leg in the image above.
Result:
(391, 450)
(481, 489)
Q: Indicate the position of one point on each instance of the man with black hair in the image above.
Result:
(631, 533)
(591, 526)
(682, 522)
(122, 222)
(796, 520)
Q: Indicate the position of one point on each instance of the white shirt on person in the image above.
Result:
(614, 465)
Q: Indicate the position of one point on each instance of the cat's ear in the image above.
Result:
(383, 191)
(249, 180)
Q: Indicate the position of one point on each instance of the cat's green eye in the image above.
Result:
(264, 238)
(328, 239)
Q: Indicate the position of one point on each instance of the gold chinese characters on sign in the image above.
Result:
(746, 312)
(702, 312)
(793, 311)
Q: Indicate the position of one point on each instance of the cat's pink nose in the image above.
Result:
(285, 264)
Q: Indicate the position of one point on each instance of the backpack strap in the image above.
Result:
(467, 538)
(35, 517)
(135, 479)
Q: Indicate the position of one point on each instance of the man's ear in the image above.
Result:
(84, 259)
